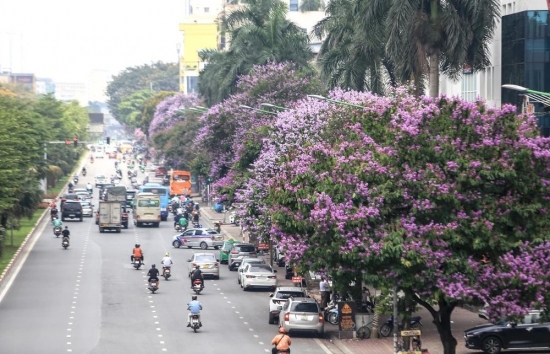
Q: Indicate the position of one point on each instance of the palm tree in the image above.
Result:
(434, 36)
(312, 5)
(260, 33)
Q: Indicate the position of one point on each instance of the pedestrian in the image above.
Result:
(324, 287)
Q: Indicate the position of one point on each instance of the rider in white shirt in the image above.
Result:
(166, 262)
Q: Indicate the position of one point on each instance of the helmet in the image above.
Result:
(194, 297)
(167, 254)
(66, 227)
(197, 267)
(137, 244)
(152, 265)
(282, 330)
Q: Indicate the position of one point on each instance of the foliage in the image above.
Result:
(149, 108)
(131, 107)
(260, 34)
(171, 111)
(414, 193)
(312, 5)
(156, 76)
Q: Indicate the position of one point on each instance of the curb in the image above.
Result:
(23, 245)
(209, 216)
(338, 344)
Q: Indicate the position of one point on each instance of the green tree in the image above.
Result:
(312, 5)
(156, 76)
(433, 36)
(131, 107)
(149, 108)
(260, 34)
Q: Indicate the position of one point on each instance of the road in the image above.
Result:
(89, 299)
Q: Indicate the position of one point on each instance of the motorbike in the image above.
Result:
(57, 231)
(166, 272)
(331, 313)
(197, 286)
(142, 169)
(75, 179)
(65, 243)
(84, 173)
(179, 228)
(137, 263)
(92, 160)
(90, 191)
(153, 285)
(195, 322)
(197, 225)
(387, 328)
(282, 352)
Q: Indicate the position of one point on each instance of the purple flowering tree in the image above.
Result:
(423, 194)
(233, 136)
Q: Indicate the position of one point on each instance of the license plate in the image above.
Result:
(148, 213)
(71, 214)
(304, 318)
(207, 266)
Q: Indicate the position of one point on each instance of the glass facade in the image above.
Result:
(526, 57)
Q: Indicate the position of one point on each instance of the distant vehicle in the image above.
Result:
(112, 155)
(146, 209)
(87, 209)
(100, 180)
(99, 154)
(161, 172)
(162, 192)
(180, 183)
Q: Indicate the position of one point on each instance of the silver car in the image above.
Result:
(207, 262)
(87, 208)
(246, 261)
(302, 314)
(199, 237)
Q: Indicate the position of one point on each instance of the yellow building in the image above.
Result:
(197, 36)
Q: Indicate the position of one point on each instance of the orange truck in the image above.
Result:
(180, 183)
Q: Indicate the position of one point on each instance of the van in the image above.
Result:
(146, 209)
(71, 210)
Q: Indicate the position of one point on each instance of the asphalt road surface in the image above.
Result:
(89, 298)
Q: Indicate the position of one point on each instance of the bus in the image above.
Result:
(147, 209)
(180, 183)
(162, 192)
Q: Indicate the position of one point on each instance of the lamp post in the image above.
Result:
(178, 47)
(257, 110)
(531, 95)
(323, 98)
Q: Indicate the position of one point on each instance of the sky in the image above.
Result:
(67, 39)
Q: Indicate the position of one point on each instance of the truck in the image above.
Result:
(180, 183)
(110, 209)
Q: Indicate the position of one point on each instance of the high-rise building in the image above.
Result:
(68, 91)
(45, 86)
(97, 85)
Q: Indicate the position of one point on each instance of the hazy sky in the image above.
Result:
(66, 39)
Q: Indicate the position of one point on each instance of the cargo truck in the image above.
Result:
(110, 209)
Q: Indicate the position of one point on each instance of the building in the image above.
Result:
(45, 86)
(68, 91)
(520, 55)
(97, 85)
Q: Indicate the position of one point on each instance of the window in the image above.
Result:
(148, 203)
(304, 307)
(469, 87)
(287, 294)
(192, 84)
(205, 258)
(293, 5)
(198, 232)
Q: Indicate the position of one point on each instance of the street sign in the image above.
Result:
(297, 279)
(263, 246)
(411, 333)
(346, 318)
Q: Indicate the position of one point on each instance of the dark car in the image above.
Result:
(71, 210)
(492, 338)
(240, 249)
(161, 172)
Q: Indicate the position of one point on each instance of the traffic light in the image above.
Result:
(108, 141)
(75, 141)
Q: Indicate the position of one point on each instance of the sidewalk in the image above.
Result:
(462, 318)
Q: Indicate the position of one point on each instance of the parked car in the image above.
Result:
(246, 261)
(224, 251)
(99, 154)
(279, 297)
(236, 262)
(241, 249)
(207, 262)
(505, 334)
(258, 276)
(301, 314)
(87, 208)
(199, 237)
(72, 209)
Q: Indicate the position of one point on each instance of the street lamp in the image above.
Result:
(274, 106)
(257, 110)
(532, 95)
(323, 98)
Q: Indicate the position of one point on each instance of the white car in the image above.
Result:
(83, 196)
(100, 180)
(87, 208)
(81, 190)
(207, 262)
(258, 276)
(246, 261)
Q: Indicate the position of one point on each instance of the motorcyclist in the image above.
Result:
(71, 185)
(153, 274)
(166, 262)
(137, 253)
(89, 187)
(177, 219)
(194, 308)
(92, 159)
(197, 274)
(56, 222)
(84, 171)
(66, 234)
(54, 212)
(281, 342)
(183, 222)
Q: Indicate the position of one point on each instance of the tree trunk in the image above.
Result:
(442, 321)
(376, 321)
(434, 75)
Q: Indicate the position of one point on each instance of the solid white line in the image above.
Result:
(325, 349)
(26, 253)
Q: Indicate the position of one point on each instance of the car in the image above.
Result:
(87, 208)
(207, 262)
(246, 261)
(301, 314)
(100, 180)
(152, 168)
(198, 237)
(258, 276)
(112, 155)
(161, 172)
(224, 251)
(71, 210)
(505, 334)
(241, 249)
(279, 297)
(99, 154)
(83, 196)
(236, 262)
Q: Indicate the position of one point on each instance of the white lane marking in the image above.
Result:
(261, 343)
(325, 349)
(245, 322)
(251, 330)
(255, 336)
(164, 349)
